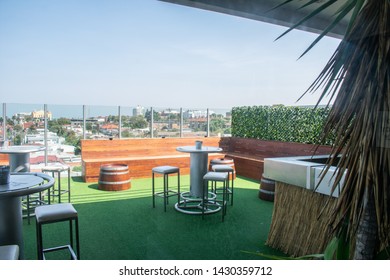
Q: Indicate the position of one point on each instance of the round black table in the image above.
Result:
(11, 220)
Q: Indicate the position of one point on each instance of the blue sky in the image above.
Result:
(149, 53)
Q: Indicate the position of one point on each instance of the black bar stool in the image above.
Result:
(52, 214)
(165, 170)
(214, 177)
(57, 170)
(230, 171)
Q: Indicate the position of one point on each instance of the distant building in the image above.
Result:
(80, 122)
(109, 129)
(138, 111)
(40, 115)
(39, 138)
(22, 115)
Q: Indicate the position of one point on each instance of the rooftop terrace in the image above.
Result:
(123, 226)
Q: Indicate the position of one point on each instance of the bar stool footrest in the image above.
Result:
(59, 248)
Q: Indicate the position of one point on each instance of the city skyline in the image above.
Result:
(76, 111)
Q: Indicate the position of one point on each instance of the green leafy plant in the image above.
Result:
(280, 123)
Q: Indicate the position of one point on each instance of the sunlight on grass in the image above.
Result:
(140, 188)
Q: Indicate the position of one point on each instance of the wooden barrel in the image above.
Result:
(114, 177)
(267, 189)
(223, 161)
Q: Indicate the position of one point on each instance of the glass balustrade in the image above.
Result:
(61, 127)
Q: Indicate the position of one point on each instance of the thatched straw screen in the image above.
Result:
(297, 227)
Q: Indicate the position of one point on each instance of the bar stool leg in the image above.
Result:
(178, 188)
(59, 186)
(69, 184)
(39, 241)
(205, 183)
(153, 191)
(71, 234)
(232, 190)
(165, 194)
(77, 238)
(225, 195)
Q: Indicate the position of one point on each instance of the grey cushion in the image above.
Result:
(222, 168)
(215, 176)
(55, 212)
(166, 169)
(9, 252)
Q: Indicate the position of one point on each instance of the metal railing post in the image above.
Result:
(181, 122)
(4, 123)
(45, 133)
(120, 122)
(151, 122)
(208, 123)
(84, 122)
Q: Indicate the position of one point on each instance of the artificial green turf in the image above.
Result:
(124, 226)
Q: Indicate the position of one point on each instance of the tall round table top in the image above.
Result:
(193, 149)
(21, 149)
(26, 183)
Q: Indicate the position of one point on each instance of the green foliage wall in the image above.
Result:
(280, 123)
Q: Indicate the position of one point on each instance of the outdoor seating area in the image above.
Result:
(208, 171)
(141, 155)
(124, 225)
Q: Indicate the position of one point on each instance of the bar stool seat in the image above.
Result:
(215, 177)
(230, 171)
(57, 191)
(9, 252)
(57, 213)
(165, 170)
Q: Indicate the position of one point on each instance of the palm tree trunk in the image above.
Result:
(367, 231)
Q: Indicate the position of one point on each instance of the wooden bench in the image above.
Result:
(141, 155)
(249, 154)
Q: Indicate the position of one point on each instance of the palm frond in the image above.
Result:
(279, 5)
(306, 18)
(357, 79)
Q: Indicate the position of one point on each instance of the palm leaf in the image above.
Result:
(357, 79)
(280, 5)
(306, 18)
(342, 14)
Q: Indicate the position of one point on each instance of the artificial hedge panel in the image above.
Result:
(280, 123)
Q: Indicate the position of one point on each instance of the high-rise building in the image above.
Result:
(137, 111)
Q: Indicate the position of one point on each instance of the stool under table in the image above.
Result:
(214, 178)
(231, 174)
(57, 213)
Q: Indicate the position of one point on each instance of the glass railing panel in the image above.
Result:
(194, 122)
(102, 122)
(220, 122)
(2, 125)
(134, 122)
(65, 130)
(166, 122)
(24, 121)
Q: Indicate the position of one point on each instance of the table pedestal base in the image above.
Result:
(11, 223)
(193, 205)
